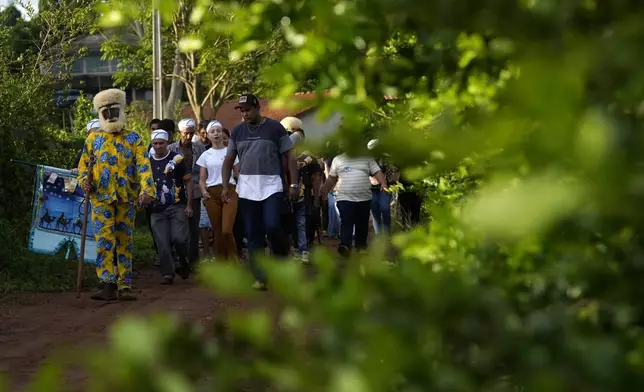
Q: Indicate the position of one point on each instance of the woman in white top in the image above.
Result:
(221, 212)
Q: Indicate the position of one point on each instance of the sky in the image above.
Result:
(34, 4)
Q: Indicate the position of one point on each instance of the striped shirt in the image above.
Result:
(353, 177)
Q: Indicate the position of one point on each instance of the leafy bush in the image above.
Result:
(525, 132)
(83, 113)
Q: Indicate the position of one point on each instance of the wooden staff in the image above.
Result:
(81, 259)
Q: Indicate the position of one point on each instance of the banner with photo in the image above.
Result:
(57, 219)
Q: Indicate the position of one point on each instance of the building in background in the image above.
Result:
(91, 74)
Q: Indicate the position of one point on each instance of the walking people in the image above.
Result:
(172, 209)
(205, 227)
(260, 144)
(191, 152)
(350, 177)
(203, 133)
(333, 227)
(238, 226)
(381, 200)
(307, 205)
(121, 177)
(154, 125)
(222, 212)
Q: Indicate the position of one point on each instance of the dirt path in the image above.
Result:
(33, 327)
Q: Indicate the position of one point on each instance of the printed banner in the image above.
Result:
(57, 219)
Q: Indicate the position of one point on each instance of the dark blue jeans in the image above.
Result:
(262, 218)
(381, 211)
(354, 214)
(299, 215)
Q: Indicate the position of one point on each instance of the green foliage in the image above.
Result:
(522, 123)
(83, 113)
(28, 131)
(138, 118)
(30, 272)
(144, 253)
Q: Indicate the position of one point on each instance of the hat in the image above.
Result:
(109, 97)
(110, 106)
(291, 123)
(186, 123)
(213, 124)
(93, 124)
(160, 134)
(372, 144)
(248, 100)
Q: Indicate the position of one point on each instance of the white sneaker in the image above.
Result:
(304, 258)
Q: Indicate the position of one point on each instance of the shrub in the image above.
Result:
(523, 122)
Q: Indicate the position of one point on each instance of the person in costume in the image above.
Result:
(121, 178)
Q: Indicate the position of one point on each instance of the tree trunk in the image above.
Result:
(192, 84)
(176, 88)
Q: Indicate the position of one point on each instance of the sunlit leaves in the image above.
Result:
(190, 44)
(227, 278)
(112, 18)
(524, 206)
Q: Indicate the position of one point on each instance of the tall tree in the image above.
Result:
(131, 44)
(213, 73)
(207, 75)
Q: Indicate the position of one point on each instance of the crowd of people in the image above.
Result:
(227, 194)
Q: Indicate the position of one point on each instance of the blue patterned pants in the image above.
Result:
(113, 228)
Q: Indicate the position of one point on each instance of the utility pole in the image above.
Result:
(157, 69)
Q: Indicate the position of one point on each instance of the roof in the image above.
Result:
(229, 117)
(93, 42)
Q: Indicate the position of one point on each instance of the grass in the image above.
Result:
(25, 271)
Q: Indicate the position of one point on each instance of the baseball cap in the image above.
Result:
(248, 100)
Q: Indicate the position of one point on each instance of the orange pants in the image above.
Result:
(222, 218)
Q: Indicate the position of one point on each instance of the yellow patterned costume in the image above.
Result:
(121, 173)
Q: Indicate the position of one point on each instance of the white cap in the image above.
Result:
(213, 123)
(372, 144)
(160, 134)
(291, 123)
(93, 124)
(186, 123)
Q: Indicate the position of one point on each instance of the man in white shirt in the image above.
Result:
(350, 177)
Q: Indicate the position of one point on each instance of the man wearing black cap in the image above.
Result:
(261, 144)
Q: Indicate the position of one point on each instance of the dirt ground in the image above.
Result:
(34, 327)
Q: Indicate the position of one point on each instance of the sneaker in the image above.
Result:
(259, 286)
(183, 271)
(344, 251)
(126, 295)
(304, 258)
(167, 280)
(107, 292)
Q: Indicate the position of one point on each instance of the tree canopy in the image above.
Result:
(522, 122)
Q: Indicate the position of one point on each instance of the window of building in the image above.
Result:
(78, 67)
(94, 64)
